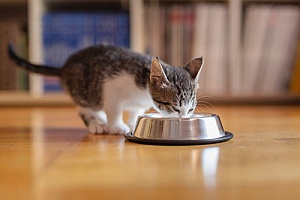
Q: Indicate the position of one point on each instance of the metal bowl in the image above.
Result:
(202, 128)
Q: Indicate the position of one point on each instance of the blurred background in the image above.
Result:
(251, 48)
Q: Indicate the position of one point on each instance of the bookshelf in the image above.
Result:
(235, 11)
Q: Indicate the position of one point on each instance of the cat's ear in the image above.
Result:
(194, 68)
(157, 74)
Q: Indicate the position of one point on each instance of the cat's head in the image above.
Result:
(173, 89)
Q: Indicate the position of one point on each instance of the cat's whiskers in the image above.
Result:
(203, 103)
(198, 109)
(206, 103)
(201, 96)
(205, 106)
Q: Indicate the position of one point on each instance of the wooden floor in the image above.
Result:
(45, 153)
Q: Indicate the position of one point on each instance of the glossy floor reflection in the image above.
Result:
(46, 153)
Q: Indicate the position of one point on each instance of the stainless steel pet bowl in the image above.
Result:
(203, 128)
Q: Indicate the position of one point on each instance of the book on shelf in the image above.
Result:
(155, 29)
(175, 35)
(215, 69)
(65, 33)
(254, 44)
(270, 38)
(200, 40)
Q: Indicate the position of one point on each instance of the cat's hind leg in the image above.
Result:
(95, 121)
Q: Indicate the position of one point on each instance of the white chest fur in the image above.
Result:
(123, 91)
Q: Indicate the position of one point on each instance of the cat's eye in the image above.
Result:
(175, 109)
(160, 102)
(191, 110)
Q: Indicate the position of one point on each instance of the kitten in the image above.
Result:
(105, 80)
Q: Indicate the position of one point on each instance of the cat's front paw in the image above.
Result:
(96, 127)
(119, 129)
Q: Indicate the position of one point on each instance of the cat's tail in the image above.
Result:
(40, 69)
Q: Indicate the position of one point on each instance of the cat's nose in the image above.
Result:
(182, 115)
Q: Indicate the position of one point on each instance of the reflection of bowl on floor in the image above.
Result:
(202, 128)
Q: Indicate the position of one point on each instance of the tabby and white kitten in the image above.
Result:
(105, 80)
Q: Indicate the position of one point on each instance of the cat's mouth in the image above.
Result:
(172, 116)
